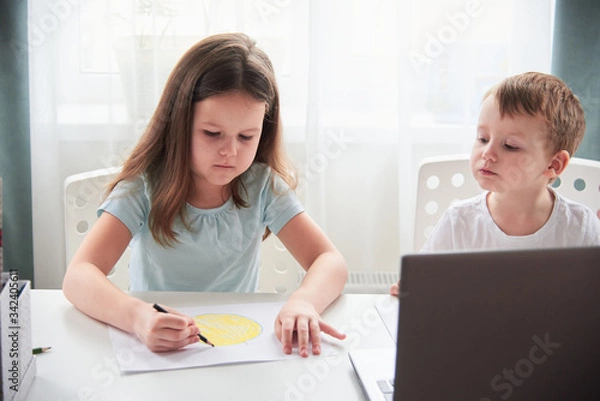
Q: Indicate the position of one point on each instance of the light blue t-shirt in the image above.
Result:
(220, 252)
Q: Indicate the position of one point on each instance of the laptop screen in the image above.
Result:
(511, 325)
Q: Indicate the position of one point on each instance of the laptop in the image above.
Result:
(500, 325)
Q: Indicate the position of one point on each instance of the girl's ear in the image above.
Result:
(558, 164)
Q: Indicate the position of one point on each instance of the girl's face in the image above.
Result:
(225, 136)
(510, 154)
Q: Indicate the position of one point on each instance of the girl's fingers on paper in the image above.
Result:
(163, 345)
(330, 330)
(176, 335)
(315, 335)
(302, 331)
(287, 335)
(172, 328)
(173, 321)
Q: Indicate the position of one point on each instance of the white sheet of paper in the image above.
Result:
(133, 356)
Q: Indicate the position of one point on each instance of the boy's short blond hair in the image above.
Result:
(546, 96)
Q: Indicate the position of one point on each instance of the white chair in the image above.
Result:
(443, 180)
(279, 272)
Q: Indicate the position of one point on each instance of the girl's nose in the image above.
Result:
(228, 147)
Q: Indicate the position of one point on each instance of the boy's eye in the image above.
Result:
(482, 140)
(510, 147)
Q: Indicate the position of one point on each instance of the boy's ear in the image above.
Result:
(558, 164)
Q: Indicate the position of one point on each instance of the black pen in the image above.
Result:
(163, 310)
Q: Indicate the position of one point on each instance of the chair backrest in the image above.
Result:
(279, 271)
(83, 194)
(444, 180)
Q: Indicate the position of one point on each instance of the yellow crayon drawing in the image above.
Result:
(227, 329)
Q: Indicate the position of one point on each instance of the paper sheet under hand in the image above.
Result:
(228, 323)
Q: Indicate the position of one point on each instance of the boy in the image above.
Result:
(529, 126)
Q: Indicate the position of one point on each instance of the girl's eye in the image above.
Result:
(482, 140)
(245, 137)
(509, 147)
(210, 133)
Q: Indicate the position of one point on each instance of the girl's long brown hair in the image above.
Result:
(216, 64)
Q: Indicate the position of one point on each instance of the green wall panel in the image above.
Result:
(15, 156)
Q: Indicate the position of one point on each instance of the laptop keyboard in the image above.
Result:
(387, 388)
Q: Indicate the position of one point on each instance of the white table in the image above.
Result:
(82, 364)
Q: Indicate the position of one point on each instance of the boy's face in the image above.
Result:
(510, 154)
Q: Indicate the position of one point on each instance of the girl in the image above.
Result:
(204, 185)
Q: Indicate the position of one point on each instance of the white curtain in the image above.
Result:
(369, 88)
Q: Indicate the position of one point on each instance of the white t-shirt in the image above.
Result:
(468, 226)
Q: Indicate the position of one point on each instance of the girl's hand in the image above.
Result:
(162, 332)
(300, 318)
(395, 289)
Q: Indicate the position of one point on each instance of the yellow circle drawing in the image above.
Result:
(227, 329)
